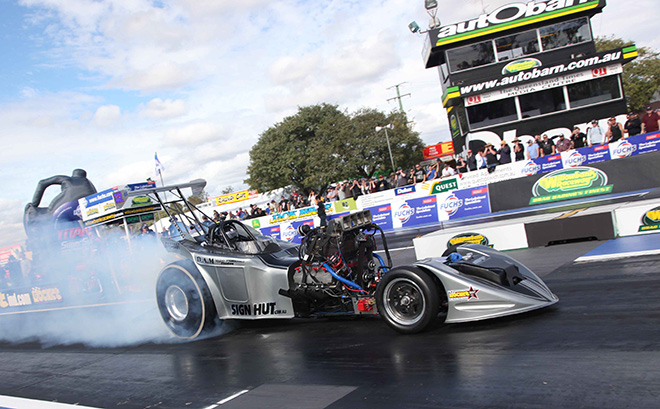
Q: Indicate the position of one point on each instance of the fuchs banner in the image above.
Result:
(613, 176)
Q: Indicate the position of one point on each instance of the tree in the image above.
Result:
(320, 145)
(201, 198)
(641, 76)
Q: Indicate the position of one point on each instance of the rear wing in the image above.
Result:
(183, 215)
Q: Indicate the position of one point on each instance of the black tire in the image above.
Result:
(184, 300)
(408, 300)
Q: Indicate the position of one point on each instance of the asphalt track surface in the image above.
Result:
(599, 347)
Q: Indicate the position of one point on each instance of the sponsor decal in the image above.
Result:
(451, 204)
(453, 125)
(521, 65)
(37, 295)
(472, 238)
(234, 197)
(100, 197)
(445, 185)
(404, 213)
(262, 308)
(141, 201)
(624, 149)
(570, 183)
(256, 224)
(141, 186)
(508, 15)
(212, 261)
(404, 190)
(530, 168)
(289, 233)
(574, 159)
(651, 220)
(469, 294)
(344, 205)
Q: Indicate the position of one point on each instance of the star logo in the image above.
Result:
(472, 293)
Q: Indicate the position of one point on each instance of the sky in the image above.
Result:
(102, 85)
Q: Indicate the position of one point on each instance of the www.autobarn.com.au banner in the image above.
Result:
(575, 182)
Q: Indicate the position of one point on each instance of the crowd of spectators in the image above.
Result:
(487, 157)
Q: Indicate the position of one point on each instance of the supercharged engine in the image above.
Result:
(338, 270)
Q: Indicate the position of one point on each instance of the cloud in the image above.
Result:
(107, 115)
(167, 109)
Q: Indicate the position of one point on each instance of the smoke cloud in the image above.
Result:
(94, 289)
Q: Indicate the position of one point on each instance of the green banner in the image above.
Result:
(444, 186)
(345, 205)
(571, 195)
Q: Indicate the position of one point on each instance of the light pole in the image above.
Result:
(387, 138)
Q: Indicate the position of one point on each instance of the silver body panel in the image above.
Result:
(472, 298)
(243, 286)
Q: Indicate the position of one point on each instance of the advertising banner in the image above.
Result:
(234, 197)
(414, 212)
(100, 204)
(463, 203)
(382, 216)
(585, 156)
(439, 150)
(345, 205)
(549, 163)
(636, 219)
(613, 176)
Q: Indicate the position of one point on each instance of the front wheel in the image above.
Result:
(184, 300)
(408, 300)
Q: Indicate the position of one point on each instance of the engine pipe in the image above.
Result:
(382, 263)
(338, 277)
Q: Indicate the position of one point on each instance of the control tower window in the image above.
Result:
(470, 56)
(565, 33)
(517, 45)
(492, 113)
(542, 102)
(594, 91)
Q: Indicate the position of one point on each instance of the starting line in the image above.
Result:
(10, 402)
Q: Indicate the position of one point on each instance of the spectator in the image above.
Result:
(504, 152)
(650, 121)
(491, 158)
(633, 125)
(448, 171)
(320, 210)
(392, 180)
(401, 178)
(595, 134)
(547, 146)
(311, 199)
(518, 149)
(332, 193)
(481, 158)
(432, 172)
(563, 144)
(615, 131)
(206, 221)
(347, 190)
(419, 175)
(462, 165)
(382, 184)
(216, 216)
(532, 151)
(471, 160)
(356, 191)
(578, 138)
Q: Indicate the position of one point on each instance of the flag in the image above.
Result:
(159, 166)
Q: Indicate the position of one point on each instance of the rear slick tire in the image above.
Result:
(408, 300)
(184, 301)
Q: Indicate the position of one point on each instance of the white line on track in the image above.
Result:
(602, 257)
(10, 402)
(225, 400)
(391, 250)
